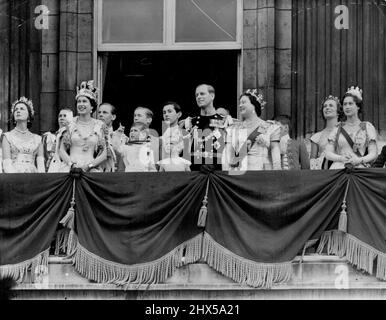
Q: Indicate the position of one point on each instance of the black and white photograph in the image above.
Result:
(198, 153)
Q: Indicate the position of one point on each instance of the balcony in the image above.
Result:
(317, 277)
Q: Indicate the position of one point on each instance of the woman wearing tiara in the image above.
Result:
(22, 150)
(353, 142)
(253, 144)
(331, 110)
(83, 142)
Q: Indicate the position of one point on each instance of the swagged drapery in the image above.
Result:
(31, 206)
(138, 228)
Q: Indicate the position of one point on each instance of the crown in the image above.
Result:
(331, 97)
(88, 90)
(25, 101)
(259, 97)
(355, 91)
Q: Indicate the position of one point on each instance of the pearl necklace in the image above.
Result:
(21, 131)
(353, 124)
(85, 147)
(84, 123)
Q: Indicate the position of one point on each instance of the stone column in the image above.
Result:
(267, 52)
(75, 47)
(50, 68)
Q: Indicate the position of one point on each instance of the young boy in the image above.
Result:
(172, 140)
(145, 116)
(137, 155)
(294, 153)
(173, 162)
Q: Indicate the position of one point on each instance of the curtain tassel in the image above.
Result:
(69, 218)
(343, 214)
(204, 210)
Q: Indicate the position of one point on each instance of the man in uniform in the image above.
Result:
(206, 132)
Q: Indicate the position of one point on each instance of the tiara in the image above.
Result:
(355, 91)
(25, 101)
(259, 97)
(88, 90)
(331, 97)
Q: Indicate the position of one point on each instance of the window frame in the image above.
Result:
(169, 42)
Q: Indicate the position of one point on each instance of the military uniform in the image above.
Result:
(207, 138)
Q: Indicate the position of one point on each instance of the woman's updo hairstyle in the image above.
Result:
(255, 99)
(31, 113)
(339, 109)
(356, 94)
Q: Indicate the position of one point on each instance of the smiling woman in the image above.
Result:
(331, 111)
(84, 141)
(254, 143)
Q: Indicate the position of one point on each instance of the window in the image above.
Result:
(133, 21)
(205, 21)
(132, 41)
(130, 25)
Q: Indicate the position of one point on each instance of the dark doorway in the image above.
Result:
(151, 78)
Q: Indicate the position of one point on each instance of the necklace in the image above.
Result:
(356, 123)
(21, 131)
(85, 146)
(83, 123)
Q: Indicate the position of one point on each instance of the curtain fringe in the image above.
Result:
(71, 243)
(101, 270)
(61, 241)
(243, 271)
(358, 253)
(20, 270)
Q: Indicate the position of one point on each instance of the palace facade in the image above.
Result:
(147, 52)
